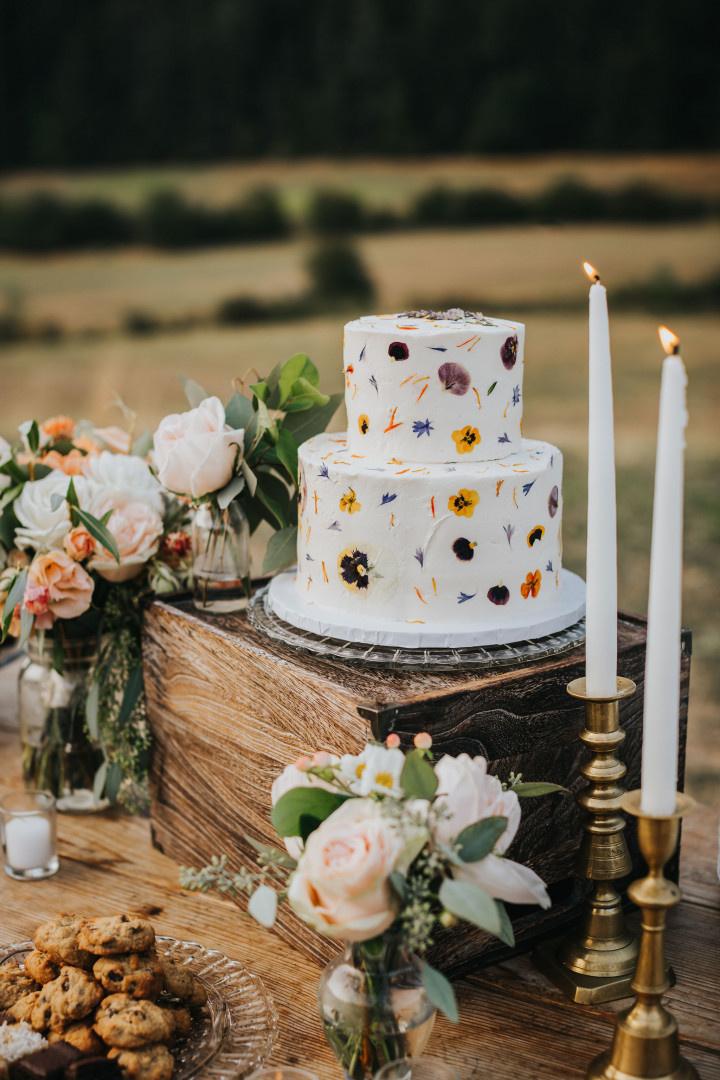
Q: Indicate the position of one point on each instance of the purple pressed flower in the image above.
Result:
(549, 567)
(373, 383)
(508, 352)
(509, 531)
(528, 487)
(438, 348)
(362, 354)
(335, 526)
(324, 474)
(420, 556)
(398, 350)
(504, 437)
(516, 395)
(309, 557)
(454, 378)
(553, 501)
(463, 597)
(422, 427)
(388, 498)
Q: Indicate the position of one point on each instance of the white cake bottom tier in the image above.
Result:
(464, 546)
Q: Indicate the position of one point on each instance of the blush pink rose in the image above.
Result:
(341, 885)
(196, 451)
(68, 585)
(79, 544)
(37, 599)
(136, 529)
(466, 794)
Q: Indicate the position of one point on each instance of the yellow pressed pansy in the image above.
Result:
(466, 439)
(463, 503)
(349, 502)
(364, 423)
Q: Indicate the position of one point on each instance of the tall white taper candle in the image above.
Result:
(601, 565)
(662, 666)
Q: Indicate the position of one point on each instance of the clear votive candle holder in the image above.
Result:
(29, 840)
(422, 1068)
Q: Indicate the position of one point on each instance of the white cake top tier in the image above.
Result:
(433, 386)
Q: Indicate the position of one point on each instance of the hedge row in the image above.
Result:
(44, 222)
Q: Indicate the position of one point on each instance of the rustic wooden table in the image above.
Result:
(515, 1026)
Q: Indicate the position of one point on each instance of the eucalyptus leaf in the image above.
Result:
(113, 781)
(302, 802)
(506, 934)
(297, 366)
(533, 790)
(274, 496)
(397, 880)
(479, 839)
(261, 390)
(33, 436)
(56, 501)
(471, 903)
(13, 598)
(418, 779)
(239, 411)
(194, 392)
(71, 494)
(26, 624)
(12, 493)
(440, 991)
(287, 451)
(306, 424)
(92, 706)
(262, 905)
(272, 854)
(230, 491)
(14, 471)
(99, 781)
(281, 551)
(133, 689)
(250, 478)
(97, 529)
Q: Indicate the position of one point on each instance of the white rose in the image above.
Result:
(292, 777)
(466, 794)
(341, 886)
(41, 527)
(123, 478)
(196, 451)
(5, 455)
(375, 771)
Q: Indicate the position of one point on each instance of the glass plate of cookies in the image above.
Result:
(224, 1031)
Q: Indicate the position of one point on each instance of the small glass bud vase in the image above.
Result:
(374, 1008)
(221, 559)
(58, 754)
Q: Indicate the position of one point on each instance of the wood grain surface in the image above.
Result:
(514, 1025)
(229, 707)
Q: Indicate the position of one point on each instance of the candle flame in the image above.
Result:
(669, 341)
(591, 271)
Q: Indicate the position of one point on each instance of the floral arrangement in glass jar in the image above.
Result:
(237, 464)
(87, 537)
(382, 849)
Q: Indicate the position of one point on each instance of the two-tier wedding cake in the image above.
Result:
(431, 521)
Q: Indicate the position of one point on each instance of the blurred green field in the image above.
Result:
(95, 290)
(82, 375)
(383, 182)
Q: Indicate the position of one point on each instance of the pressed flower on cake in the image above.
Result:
(363, 423)
(531, 585)
(466, 439)
(464, 502)
(349, 502)
(535, 534)
(454, 378)
(354, 568)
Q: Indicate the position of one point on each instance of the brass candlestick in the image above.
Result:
(645, 1046)
(596, 962)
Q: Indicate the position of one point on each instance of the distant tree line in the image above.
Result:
(45, 222)
(109, 81)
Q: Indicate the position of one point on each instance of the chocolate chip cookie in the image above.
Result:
(124, 1022)
(117, 934)
(81, 1035)
(23, 1007)
(181, 1018)
(150, 1063)
(137, 974)
(59, 940)
(73, 994)
(14, 984)
(181, 983)
(41, 967)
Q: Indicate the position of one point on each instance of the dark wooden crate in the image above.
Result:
(229, 708)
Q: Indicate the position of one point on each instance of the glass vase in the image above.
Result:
(221, 559)
(374, 1008)
(58, 754)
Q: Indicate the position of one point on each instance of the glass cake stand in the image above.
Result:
(480, 657)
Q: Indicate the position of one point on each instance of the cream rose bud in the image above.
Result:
(341, 886)
(292, 777)
(467, 794)
(196, 451)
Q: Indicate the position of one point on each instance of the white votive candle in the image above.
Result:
(28, 842)
(662, 665)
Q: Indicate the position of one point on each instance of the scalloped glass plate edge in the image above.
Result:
(241, 1026)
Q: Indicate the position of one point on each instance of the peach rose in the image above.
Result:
(72, 463)
(69, 586)
(136, 528)
(79, 544)
(341, 886)
(58, 427)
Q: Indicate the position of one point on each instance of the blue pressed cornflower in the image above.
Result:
(388, 497)
(324, 474)
(422, 427)
(420, 556)
(549, 567)
(463, 597)
(504, 437)
(373, 383)
(335, 526)
(516, 395)
(527, 487)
